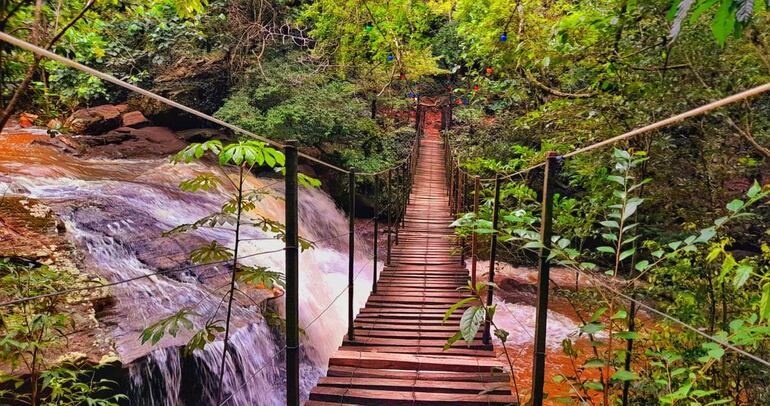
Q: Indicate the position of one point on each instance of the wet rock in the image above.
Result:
(112, 137)
(7, 185)
(199, 83)
(27, 229)
(126, 142)
(134, 119)
(94, 120)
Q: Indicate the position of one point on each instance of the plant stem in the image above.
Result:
(232, 285)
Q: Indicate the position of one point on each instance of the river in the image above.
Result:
(115, 211)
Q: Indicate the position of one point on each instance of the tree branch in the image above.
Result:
(28, 75)
(553, 91)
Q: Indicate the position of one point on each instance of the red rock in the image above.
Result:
(134, 119)
(94, 120)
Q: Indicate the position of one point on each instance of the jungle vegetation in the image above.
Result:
(678, 218)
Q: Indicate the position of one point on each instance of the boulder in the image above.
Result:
(94, 120)
(112, 137)
(126, 142)
(199, 83)
(134, 119)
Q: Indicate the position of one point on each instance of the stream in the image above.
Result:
(115, 212)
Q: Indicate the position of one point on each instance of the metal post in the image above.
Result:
(461, 204)
(492, 255)
(388, 209)
(541, 318)
(351, 249)
(629, 347)
(451, 186)
(374, 107)
(417, 117)
(292, 276)
(476, 186)
(397, 200)
(376, 231)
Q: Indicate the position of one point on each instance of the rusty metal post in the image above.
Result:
(389, 210)
(351, 249)
(376, 231)
(292, 276)
(474, 253)
(461, 204)
(492, 255)
(451, 186)
(541, 318)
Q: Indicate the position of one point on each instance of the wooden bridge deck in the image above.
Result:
(397, 357)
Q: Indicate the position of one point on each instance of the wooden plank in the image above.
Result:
(417, 385)
(397, 356)
(413, 362)
(427, 375)
(398, 398)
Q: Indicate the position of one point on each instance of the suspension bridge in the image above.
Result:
(393, 352)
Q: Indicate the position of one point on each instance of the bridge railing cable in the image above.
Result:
(462, 202)
(391, 202)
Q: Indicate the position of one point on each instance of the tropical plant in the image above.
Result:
(35, 333)
(234, 163)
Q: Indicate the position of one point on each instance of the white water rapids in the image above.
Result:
(115, 212)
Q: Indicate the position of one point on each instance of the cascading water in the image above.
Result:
(116, 210)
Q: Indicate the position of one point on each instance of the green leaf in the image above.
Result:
(533, 245)
(594, 385)
(606, 249)
(713, 350)
(213, 252)
(260, 276)
(742, 273)
(631, 207)
(594, 363)
(718, 222)
(597, 314)
(627, 335)
(623, 375)
(735, 205)
(754, 190)
(456, 306)
(617, 179)
(204, 182)
(764, 302)
(592, 328)
(627, 253)
(471, 321)
(641, 266)
(610, 224)
(724, 21)
(451, 340)
(621, 314)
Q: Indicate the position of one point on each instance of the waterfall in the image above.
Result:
(115, 212)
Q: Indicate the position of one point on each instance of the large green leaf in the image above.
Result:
(724, 21)
(471, 321)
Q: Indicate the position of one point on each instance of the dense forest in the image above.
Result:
(676, 219)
